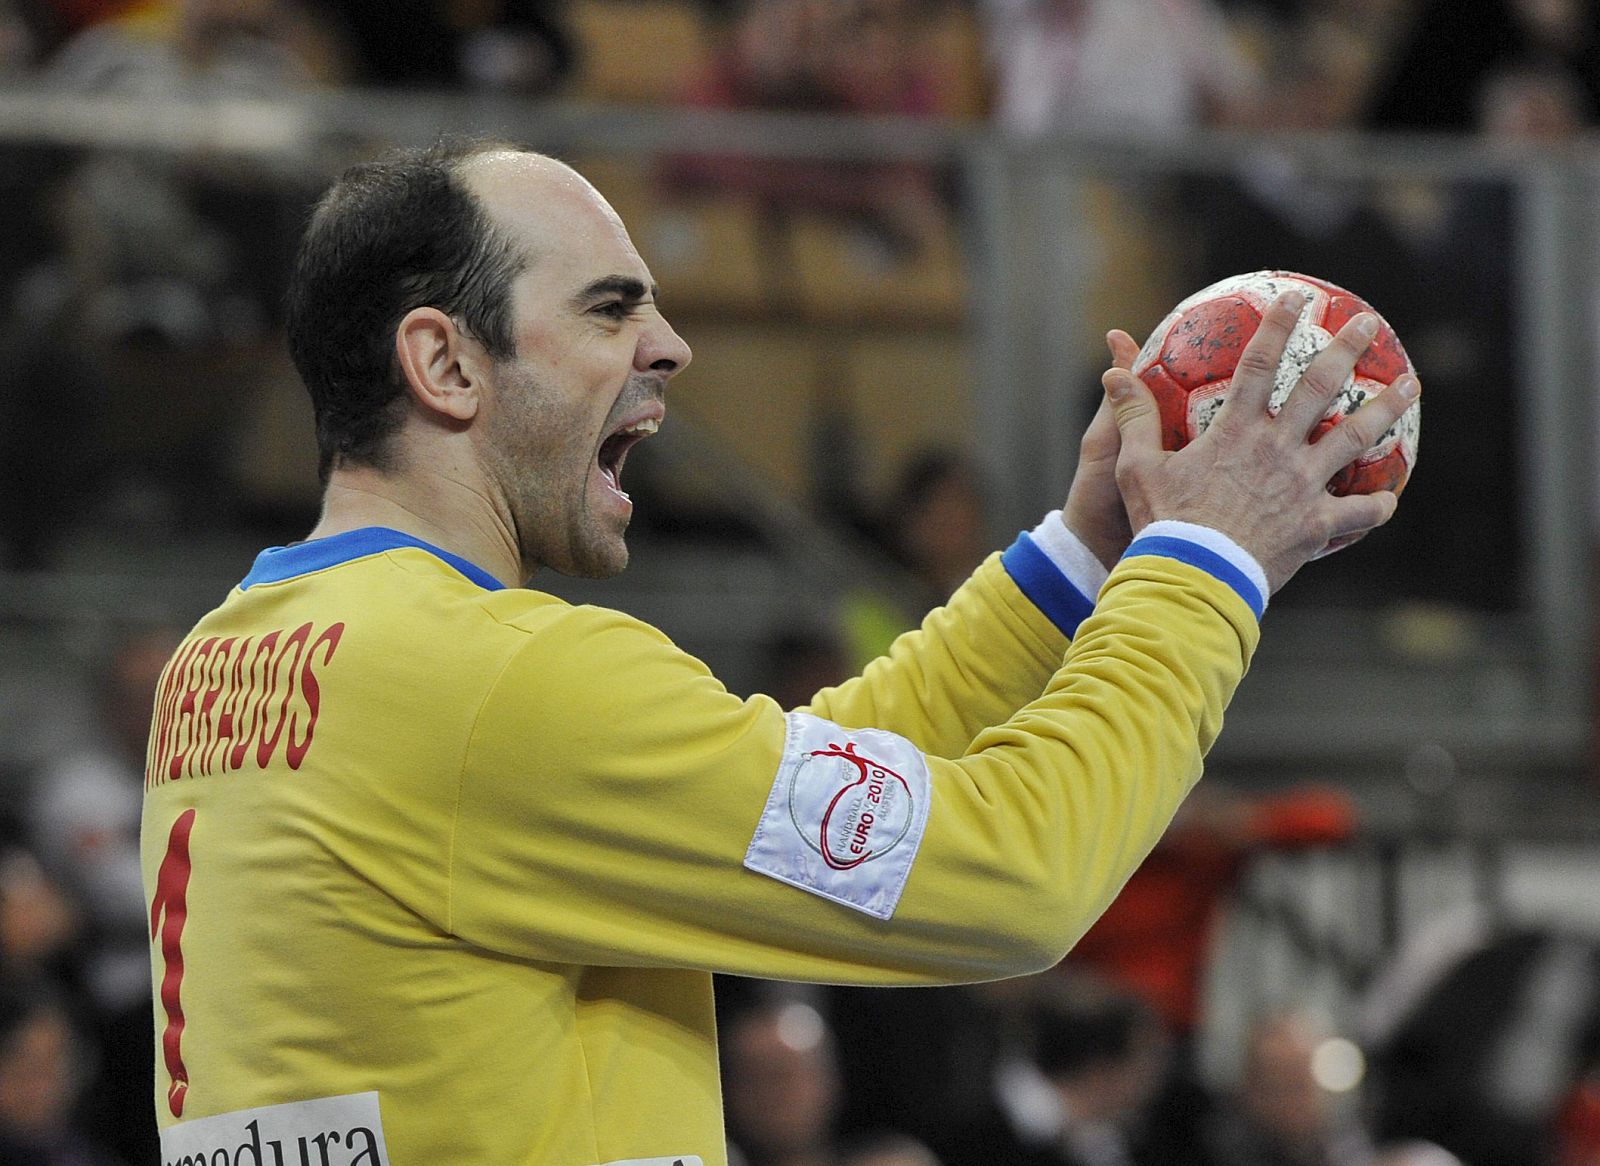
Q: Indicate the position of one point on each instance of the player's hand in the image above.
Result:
(1255, 477)
(1094, 510)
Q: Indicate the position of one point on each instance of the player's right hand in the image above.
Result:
(1257, 477)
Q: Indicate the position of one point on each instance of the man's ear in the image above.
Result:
(440, 364)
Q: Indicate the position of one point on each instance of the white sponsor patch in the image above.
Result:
(328, 1131)
(845, 816)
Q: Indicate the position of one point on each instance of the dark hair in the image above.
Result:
(394, 234)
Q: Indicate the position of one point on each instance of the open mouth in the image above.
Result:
(614, 450)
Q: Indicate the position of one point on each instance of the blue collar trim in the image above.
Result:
(276, 564)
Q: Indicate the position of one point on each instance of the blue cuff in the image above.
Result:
(1207, 560)
(1044, 584)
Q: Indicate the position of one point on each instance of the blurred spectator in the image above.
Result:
(800, 660)
(1282, 1115)
(935, 527)
(500, 46)
(1480, 1038)
(17, 42)
(1416, 1154)
(85, 813)
(937, 523)
(1436, 77)
(1074, 1093)
(42, 1063)
(164, 276)
(136, 421)
(1530, 101)
(85, 818)
(855, 57)
(889, 1150)
(938, 1046)
(37, 919)
(1317, 75)
(197, 49)
(227, 259)
(1578, 1123)
(1315, 79)
(1113, 66)
(1155, 938)
(781, 1085)
(1117, 69)
(139, 261)
(52, 23)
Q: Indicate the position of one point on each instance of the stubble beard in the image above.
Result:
(593, 554)
(553, 525)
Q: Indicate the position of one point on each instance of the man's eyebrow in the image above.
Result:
(624, 286)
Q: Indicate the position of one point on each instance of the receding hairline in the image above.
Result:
(503, 178)
(497, 162)
(487, 153)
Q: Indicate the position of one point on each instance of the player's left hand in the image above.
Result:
(1094, 510)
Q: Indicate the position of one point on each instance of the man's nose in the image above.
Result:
(662, 350)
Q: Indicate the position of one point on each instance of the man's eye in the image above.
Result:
(615, 309)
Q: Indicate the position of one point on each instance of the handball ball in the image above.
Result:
(1188, 363)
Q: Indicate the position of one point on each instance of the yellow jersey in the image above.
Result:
(439, 870)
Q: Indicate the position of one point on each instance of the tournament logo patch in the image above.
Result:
(845, 816)
(865, 807)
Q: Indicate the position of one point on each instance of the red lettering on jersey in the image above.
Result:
(186, 729)
(223, 701)
(228, 714)
(167, 709)
(295, 751)
(267, 746)
(171, 901)
(216, 673)
(256, 697)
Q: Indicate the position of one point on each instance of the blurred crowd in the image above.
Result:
(128, 276)
(125, 275)
(1077, 1068)
(1129, 66)
(128, 279)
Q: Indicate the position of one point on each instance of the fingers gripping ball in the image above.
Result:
(1188, 363)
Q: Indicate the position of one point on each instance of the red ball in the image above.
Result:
(1188, 363)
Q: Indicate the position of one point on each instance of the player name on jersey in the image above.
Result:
(226, 701)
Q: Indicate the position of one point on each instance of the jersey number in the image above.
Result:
(172, 886)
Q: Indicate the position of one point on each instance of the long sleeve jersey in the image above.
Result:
(438, 871)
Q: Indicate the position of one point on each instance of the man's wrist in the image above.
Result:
(1106, 547)
(1072, 556)
(1211, 551)
(1062, 577)
(1056, 571)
